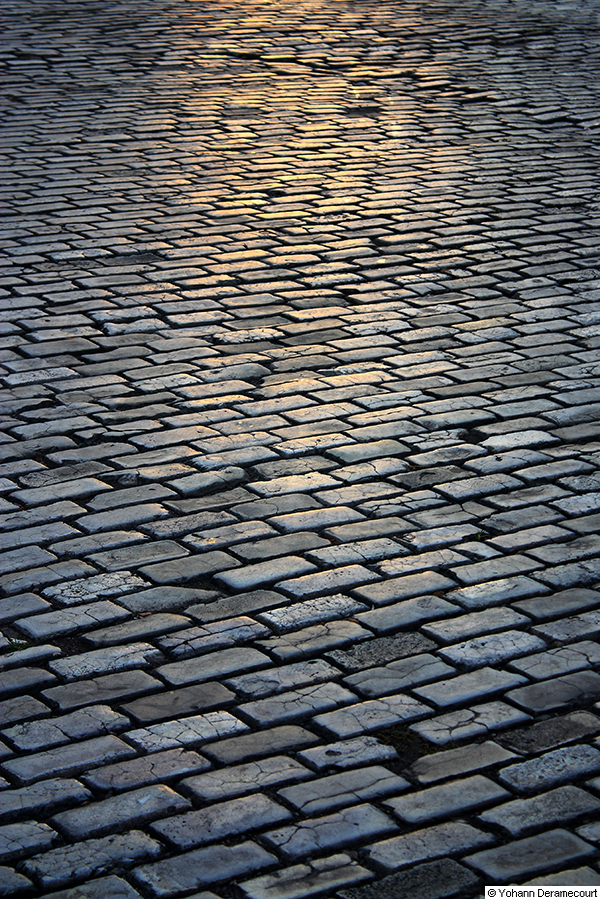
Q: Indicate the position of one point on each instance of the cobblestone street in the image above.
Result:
(300, 448)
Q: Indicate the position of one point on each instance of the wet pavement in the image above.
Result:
(300, 450)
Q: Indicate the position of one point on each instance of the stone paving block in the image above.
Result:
(553, 732)
(99, 690)
(432, 880)
(20, 680)
(430, 843)
(21, 709)
(481, 596)
(147, 627)
(171, 703)
(121, 811)
(567, 629)
(316, 877)
(406, 587)
(555, 807)
(371, 715)
(311, 611)
(312, 640)
(202, 867)
(338, 790)
(564, 602)
(182, 570)
(447, 800)
(186, 731)
(288, 737)
(85, 859)
(158, 767)
(405, 673)
(330, 831)
(403, 614)
(107, 659)
(470, 722)
(90, 722)
(212, 636)
(559, 661)
(441, 765)
(463, 626)
(520, 858)
(295, 704)
(466, 687)
(222, 820)
(240, 779)
(42, 797)
(18, 840)
(348, 754)
(213, 665)
(581, 686)
(231, 606)
(15, 884)
(560, 766)
(64, 621)
(160, 599)
(67, 759)
(492, 649)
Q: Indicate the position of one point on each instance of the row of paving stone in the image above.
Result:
(300, 450)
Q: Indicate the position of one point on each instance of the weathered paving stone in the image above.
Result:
(330, 831)
(560, 766)
(492, 649)
(471, 722)
(555, 807)
(306, 879)
(202, 867)
(116, 812)
(348, 754)
(405, 673)
(184, 731)
(96, 720)
(15, 884)
(85, 859)
(68, 759)
(17, 840)
(286, 737)
(158, 767)
(526, 857)
(338, 790)
(545, 696)
(432, 880)
(167, 704)
(467, 687)
(208, 667)
(276, 680)
(429, 843)
(295, 704)
(553, 732)
(442, 765)
(221, 820)
(248, 778)
(446, 800)
(103, 689)
(371, 715)
(41, 797)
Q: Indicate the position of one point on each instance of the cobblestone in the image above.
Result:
(299, 462)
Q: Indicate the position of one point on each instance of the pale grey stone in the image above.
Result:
(339, 790)
(431, 842)
(339, 829)
(239, 779)
(186, 731)
(447, 800)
